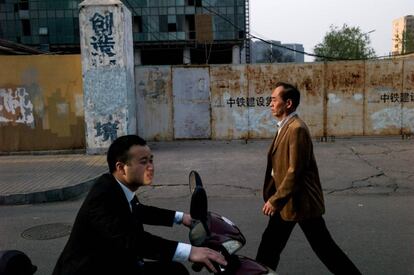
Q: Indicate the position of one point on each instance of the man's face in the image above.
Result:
(278, 107)
(140, 168)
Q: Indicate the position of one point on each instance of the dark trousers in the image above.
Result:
(156, 268)
(277, 233)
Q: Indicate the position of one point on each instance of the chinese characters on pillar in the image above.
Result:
(107, 130)
(102, 40)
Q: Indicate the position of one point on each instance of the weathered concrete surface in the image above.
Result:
(368, 187)
(108, 72)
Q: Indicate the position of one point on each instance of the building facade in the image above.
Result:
(403, 35)
(276, 52)
(164, 31)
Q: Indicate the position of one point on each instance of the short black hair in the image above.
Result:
(118, 151)
(290, 92)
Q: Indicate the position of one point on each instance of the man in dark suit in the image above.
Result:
(108, 235)
(292, 191)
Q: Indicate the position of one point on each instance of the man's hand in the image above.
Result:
(206, 256)
(187, 220)
(268, 209)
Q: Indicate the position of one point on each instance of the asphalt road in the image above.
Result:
(368, 187)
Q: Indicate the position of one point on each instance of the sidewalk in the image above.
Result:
(27, 179)
(373, 166)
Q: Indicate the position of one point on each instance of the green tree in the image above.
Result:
(344, 43)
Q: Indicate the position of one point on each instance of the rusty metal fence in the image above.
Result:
(353, 98)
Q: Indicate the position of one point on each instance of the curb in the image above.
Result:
(53, 195)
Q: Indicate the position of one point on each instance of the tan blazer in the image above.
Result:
(294, 189)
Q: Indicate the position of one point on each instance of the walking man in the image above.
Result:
(292, 191)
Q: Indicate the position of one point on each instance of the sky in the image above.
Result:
(307, 21)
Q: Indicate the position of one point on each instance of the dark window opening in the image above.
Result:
(190, 2)
(198, 3)
(137, 24)
(26, 27)
(190, 19)
(162, 57)
(172, 27)
(24, 5)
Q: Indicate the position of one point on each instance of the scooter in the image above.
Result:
(219, 233)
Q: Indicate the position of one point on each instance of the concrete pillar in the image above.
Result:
(243, 55)
(108, 72)
(236, 55)
(186, 56)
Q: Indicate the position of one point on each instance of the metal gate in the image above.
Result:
(191, 92)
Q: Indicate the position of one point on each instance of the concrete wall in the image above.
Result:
(371, 98)
(41, 103)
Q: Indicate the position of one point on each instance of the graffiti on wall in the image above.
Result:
(102, 40)
(16, 106)
(107, 130)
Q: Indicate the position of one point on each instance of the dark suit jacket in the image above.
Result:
(294, 189)
(107, 239)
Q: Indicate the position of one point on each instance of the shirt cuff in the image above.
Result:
(182, 252)
(178, 219)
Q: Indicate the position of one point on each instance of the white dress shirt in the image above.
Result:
(182, 252)
(282, 123)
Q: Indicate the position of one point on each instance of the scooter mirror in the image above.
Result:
(194, 180)
(199, 205)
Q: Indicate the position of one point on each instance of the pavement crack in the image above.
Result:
(358, 155)
(369, 177)
(388, 188)
(238, 187)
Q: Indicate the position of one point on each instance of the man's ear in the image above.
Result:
(120, 167)
(289, 103)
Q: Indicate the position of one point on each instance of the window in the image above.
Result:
(26, 27)
(172, 23)
(137, 24)
(24, 5)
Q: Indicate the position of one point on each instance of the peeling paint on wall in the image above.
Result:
(16, 106)
(386, 118)
(79, 105)
(334, 99)
(258, 122)
(358, 96)
(37, 103)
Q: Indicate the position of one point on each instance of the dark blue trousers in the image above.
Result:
(277, 233)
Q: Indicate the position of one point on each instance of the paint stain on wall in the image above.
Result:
(16, 106)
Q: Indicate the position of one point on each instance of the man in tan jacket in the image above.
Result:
(292, 191)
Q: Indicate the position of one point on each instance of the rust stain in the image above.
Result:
(307, 83)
